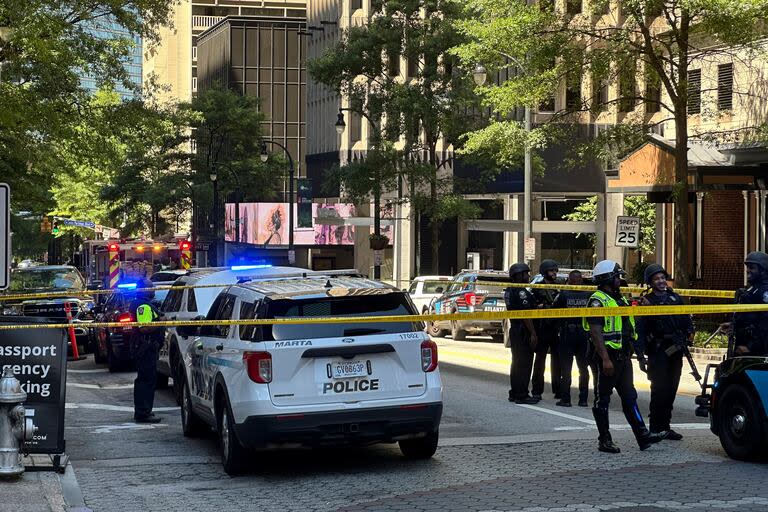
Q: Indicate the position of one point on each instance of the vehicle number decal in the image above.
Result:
(410, 336)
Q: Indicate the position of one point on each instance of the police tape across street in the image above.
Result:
(635, 311)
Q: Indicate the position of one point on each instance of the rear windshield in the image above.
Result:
(489, 288)
(365, 305)
(435, 286)
(53, 279)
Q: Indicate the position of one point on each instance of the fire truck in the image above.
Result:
(135, 257)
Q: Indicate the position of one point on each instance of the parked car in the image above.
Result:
(312, 385)
(424, 289)
(467, 293)
(52, 279)
(192, 303)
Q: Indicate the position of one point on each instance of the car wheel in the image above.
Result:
(113, 363)
(233, 455)
(497, 338)
(458, 333)
(177, 372)
(435, 331)
(161, 382)
(741, 424)
(98, 357)
(420, 448)
(191, 424)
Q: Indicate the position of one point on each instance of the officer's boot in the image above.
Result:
(604, 436)
(644, 437)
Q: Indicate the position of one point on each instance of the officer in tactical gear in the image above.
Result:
(522, 335)
(749, 329)
(573, 343)
(662, 339)
(549, 334)
(612, 338)
(148, 341)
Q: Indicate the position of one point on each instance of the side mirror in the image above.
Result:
(190, 330)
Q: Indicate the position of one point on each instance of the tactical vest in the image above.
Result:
(612, 325)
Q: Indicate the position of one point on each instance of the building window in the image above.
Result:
(573, 7)
(413, 66)
(654, 8)
(573, 90)
(725, 86)
(694, 91)
(355, 128)
(599, 93)
(393, 62)
(194, 84)
(194, 53)
(627, 91)
(356, 4)
(652, 93)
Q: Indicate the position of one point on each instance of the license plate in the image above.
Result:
(349, 369)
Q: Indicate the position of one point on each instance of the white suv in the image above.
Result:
(312, 384)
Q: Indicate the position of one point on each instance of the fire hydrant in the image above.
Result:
(15, 428)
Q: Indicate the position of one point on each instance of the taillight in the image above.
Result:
(125, 318)
(428, 355)
(259, 365)
(470, 298)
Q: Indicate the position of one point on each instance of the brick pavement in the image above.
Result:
(508, 477)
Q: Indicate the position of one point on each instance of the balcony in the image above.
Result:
(205, 22)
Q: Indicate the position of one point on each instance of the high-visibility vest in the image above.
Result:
(612, 326)
(145, 314)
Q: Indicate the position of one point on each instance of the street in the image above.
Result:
(493, 456)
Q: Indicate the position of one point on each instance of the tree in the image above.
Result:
(654, 43)
(427, 105)
(45, 48)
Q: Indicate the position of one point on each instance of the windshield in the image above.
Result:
(46, 279)
(370, 305)
(432, 286)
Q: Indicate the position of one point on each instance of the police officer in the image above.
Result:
(573, 343)
(612, 338)
(749, 329)
(148, 342)
(549, 332)
(522, 335)
(661, 338)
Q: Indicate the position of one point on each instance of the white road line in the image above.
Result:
(119, 408)
(557, 413)
(108, 429)
(96, 386)
(97, 370)
(624, 426)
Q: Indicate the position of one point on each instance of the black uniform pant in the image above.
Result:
(573, 345)
(622, 381)
(146, 377)
(522, 362)
(548, 343)
(664, 373)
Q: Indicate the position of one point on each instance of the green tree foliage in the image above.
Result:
(634, 206)
(424, 103)
(646, 56)
(45, 47)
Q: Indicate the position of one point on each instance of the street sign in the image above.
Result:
(627, 232)
(5, 236)
(530, 249)
(79, 223)
(38, 358)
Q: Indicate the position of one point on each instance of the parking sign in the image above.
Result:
(627, 232)
(5, 235)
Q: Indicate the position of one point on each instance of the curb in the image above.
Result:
(73, 496)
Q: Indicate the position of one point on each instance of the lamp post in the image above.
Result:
(215, 181)
(237, 197)
(291, 171)
(479, 74)
(340, 126)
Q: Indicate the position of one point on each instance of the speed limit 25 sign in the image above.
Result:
(627, 232)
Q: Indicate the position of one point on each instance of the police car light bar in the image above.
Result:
(249, 267)
(128, 286)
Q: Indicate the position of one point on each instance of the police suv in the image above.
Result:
(262, 386)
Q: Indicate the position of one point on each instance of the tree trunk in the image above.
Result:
(682, 227)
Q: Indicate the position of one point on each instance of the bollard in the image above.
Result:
(15, 428)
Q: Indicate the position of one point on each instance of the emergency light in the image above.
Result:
(249, 267)
(127, 286)
(185, 246)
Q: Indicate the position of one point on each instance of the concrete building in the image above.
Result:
(173, 61)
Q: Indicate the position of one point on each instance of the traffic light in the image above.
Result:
(55, 230)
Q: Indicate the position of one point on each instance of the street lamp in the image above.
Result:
(238, 188)
(264, 156)
(479, 74)
(340, 126)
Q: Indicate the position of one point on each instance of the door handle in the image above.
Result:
(219, 347)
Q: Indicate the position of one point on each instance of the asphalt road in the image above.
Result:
(493, 455)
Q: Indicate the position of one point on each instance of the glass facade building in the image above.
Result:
(106, 29)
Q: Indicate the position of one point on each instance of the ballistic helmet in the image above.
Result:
(518, 268)
(651, 270)
(758, 258)
(547, 265)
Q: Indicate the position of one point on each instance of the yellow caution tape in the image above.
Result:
(685, 292)
(486, 316)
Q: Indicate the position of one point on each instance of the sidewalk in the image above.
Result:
(41, 491)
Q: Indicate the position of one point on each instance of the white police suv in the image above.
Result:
(312, 384)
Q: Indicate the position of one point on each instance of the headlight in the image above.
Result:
(86, 307)
(12, 311)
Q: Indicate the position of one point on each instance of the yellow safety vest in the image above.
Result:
(145, 314)
(612, 326)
